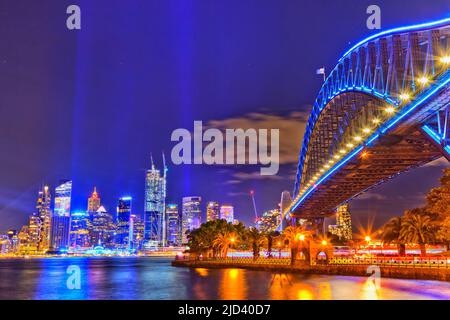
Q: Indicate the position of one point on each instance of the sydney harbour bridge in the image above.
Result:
(383, 110)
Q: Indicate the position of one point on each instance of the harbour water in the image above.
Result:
(155, 278)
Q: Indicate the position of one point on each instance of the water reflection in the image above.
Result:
(154, 278)
(233, 285)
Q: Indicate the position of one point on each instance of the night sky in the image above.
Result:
(92, 105)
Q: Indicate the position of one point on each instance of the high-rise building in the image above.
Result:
(269, 221)
(45, 215)
(284, 204)
(227, 213)
(60, 222)
(138, 232)
(191, 216)
(212, 211)
(103, 228)
(123, 239)
(79, 230)
(173, 225)
(93, 202)
(154, 211)
(343, 227)
(34, 233)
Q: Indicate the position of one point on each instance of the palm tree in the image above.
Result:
(223, 242)
(417, 228)
(256, 240)
(270, 237)
(391, 234)
(297, 236)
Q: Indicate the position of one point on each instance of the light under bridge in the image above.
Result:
(383, 110)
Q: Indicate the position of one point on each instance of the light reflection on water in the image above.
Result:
(154, 278)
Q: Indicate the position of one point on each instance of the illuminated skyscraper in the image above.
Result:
(34, 233)
(60, 222)
(138, 232)
(45, 215)
(212, 211)
(93, 202)
(123, 239)
(79, 230)
(173, 225)
(343, 227)
(154, 211)
(191, 216)
(227, 213)
(103, 228)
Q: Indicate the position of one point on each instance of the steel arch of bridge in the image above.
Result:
(398, 79)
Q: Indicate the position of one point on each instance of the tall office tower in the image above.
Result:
(154, 211)
(45, 215)
(93, 202)
(60, 222)
(123, 223)
(79, 230)
(227, 213)
(173, 225)
(34, 233)
(212, 211)
(191, 216)
(103, 228)
(138, 232)
(269, 221)
(284, 204)
(343, 227)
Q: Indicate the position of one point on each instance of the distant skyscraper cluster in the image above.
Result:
(56, 228)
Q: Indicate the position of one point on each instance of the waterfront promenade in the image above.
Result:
(402, 268)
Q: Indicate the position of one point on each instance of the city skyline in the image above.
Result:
(89, 130)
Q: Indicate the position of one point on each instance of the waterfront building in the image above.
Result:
(227, 213)
(173, 225)
(191, 215)
(154, 211)
(79, 230)
(103, 228)
(343, 227)
(212, 211)
(123, 239)
(60, 221)
(269, 221)
(24, 242)
(44, 213)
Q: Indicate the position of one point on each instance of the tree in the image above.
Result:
(417, 228)
(256, 239)
(223, 241)
(391, 234)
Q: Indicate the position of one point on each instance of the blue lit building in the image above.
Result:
(191, 216)
(154, 210)
(173, 225)
(79, 230)
(123, 239)
(60, 222)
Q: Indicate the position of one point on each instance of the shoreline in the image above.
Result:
(436, 274)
